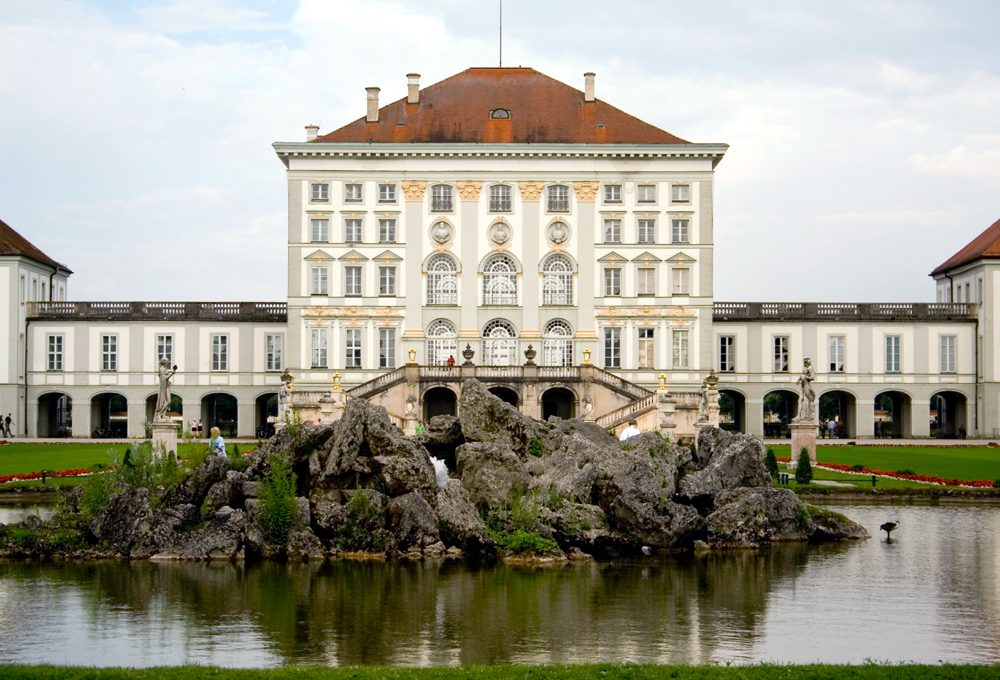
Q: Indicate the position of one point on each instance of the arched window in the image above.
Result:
(442, 342)
(499, 344)
(557, 344)
(500, 281)
(442, 282)
(557, 281)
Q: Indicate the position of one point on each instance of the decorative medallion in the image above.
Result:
(531, 191)
(500, 233)
(558, 232)
(441, 232)
(469, 191)
(413, 189)
(586, 191)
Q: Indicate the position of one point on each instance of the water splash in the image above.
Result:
(440, 471)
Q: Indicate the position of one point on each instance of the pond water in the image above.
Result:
(931, 595)
(15, 512)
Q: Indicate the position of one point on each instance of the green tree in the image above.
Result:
(771, 462)
(803, 471)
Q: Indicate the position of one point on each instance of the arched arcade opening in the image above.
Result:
(439, 401)
(893, 415)
(109, 415)
(948, 413)
(559, 402)
(732, 411)
(840, 407)
(55, 415)
(780, 406)
(219, 410)
(265, 414)
(506, 394)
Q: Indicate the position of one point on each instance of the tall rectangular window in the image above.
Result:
(352, 348)
(387, 281)
(680, 281)
(612, 281)
(647, 347)
(441, 198)
(646, 193)
(948, 353)
(387, 348)
(352, 193)
(387, 230)
(55, 353)
(220, 352)
(893, 344)
(680, 349)
(319, 192)
(646, 231)
(352, 230)
(500, 198)
(386, 193)
(645, 282)
(612, 348)
(352, 281)
(779, 354)
(319, 230)
(558, 198)
(727, 354)
(836, 350)
(319, 278)
(679, 231)
(612, 193)
(109, 352)
(612, 231)
(165, 348)
(318, 353)
(680, 193)
(274, 346)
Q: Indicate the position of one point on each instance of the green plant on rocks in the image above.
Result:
(535, 447)
(364, 524)
(771, 462)
(277, 499)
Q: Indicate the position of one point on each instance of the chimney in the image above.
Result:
(588, 86)
(412, 88)
(372, 116)
(311, 132)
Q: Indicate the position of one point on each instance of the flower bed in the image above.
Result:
(912, 477)
(25, 476)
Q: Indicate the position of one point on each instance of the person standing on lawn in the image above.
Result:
(218, 443)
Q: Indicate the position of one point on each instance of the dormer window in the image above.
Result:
(500, 114)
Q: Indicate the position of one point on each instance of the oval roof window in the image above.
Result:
(500, 114)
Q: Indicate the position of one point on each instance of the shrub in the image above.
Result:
(857, 467)
(801, 516)
(905, 471)
(97, 491)
(771, 462)
(803, 471)
(535, 447)
(364, 527)
(520, 542)
(277, 499)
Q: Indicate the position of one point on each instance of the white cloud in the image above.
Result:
(977, 158)
(192, 16)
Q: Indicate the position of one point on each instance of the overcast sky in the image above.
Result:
(864, 135)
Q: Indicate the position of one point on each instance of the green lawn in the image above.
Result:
(21, 457)
(959, 462)
(863, 482)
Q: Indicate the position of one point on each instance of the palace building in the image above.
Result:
(504, 226)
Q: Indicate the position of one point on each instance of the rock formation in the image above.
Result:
(517, 485)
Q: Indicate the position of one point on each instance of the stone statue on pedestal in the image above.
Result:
(284, 395)
(163, 396)
(807, 397)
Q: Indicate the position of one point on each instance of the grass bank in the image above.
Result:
(582, 672)
(22, 457)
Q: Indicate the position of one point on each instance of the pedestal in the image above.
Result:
(164, 437)
(667, 406)
(803, 437)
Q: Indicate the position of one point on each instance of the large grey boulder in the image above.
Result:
(459, 523)
(485, 418)
(727, 460)
(194, 489)
(752, 517)
(412, 522)
(221, 538)
(489, 472)
(832, 526)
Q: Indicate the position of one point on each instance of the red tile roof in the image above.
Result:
(542, 110)
(984, 246)
(12, 243)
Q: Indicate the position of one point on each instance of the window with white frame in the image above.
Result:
(441, 200)
(646, 193)
(442, 342)
(727, 354)
(779, 354)
(893, 346)
(680, 346)
(500, 198)
(612, 281)
(164, 348)
(558, 198)
(612, 231)
(318, 353)
(387, 230)
(352, 230)
(319, 280)
(645, 281)
(557, 281)
(55, 352)
(612, 193)
(647, 347)
(352, 281)
(836, 344)
(387, 280)
(679, 230)
(352, 348)
(220, 352)
(680, 281)
(499, 343)
(109, 352)
(948, 345)
(646, 231)
(387, 348)
(612, 348)
(680, 193)
(557, 344)
(353, 193)
(442, 280)
(319, 192)
(386, 193)
(500, 281)
(319, 231)
(274, 349)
